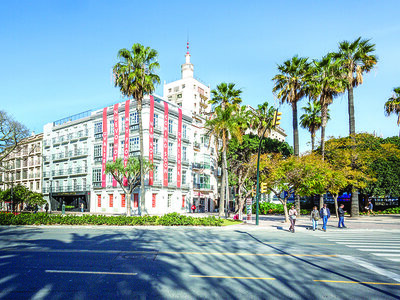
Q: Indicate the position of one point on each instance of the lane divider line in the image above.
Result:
(357, 282)
(232, 277)
(89, 272)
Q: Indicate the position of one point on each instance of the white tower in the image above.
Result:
(187, 67)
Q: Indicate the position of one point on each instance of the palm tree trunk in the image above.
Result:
(227, 184)
(298, 203)
(141, 205)
(222, 193)
(295, 129)
(352, 122)
(312, 140)
(324, 116)
(335, 197)
(128, 203)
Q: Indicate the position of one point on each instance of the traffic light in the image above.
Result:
(277, 118)
(263, 188)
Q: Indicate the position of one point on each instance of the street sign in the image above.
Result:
(248, 208)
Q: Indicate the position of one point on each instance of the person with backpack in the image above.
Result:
(314, 218)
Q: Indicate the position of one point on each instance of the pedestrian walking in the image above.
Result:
(325, 214)
(341, 213)
(369, 208)
(46, 207)
(314, 218)
(82, 207)
(193, 208)
(292, 218)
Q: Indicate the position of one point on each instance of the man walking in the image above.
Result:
(325, 215)
(341, 212)
(370, 208)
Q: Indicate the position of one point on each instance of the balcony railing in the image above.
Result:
(66, 189)
(202, 186)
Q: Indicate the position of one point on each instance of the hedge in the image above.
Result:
(269, 208)
(172, 219)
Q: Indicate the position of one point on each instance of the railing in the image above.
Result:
(200, 166)
(64, 189)
(202, 186)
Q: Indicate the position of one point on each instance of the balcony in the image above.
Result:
(157, 155)
(202, 186)
(200, 166)
(46, 174)
(60, 156)
(134, 127)
(46, 143)
(196, 146)
(98, 136)
(78, 170)
(78, 152)
(97, 185)
(67, 189)
(60, 173)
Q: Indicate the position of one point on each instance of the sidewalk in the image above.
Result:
(378, 222)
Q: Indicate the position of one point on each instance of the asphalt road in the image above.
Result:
(197, 263)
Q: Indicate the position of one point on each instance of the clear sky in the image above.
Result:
(56, 56)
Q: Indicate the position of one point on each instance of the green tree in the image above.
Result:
(135, 77)
(356, 58)
(15, 195)
(304, 175)
(226, 94)
(290, 86)
(392, 105)
(242, 162)
(311, 119)
(261, 118)
(128, 177)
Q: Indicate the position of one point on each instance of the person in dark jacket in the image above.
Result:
(325, 214)
(341, 212)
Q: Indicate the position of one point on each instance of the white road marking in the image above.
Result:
(383, 254)
(89, 272)
(368, 265)
(381, 250)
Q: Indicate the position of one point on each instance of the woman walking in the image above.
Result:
(292, 218)
(314, 218)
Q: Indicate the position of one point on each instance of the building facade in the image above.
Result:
(24, 165)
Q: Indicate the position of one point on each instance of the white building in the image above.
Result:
(67, 156)
(193, 96)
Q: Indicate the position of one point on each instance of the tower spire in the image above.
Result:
(187, 67)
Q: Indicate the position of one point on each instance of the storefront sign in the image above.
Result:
(179, 150)
(104, 150)
(151, 139)
(116, 137)
(165, 144)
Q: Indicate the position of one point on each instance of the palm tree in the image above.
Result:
(326, 82)
(223, 97)
(135, 77)
(392, 105)
(290, 85)
(311, 119)
(226, 94)
(224, 125)
(356, 58)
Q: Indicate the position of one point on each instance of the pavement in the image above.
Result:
(303, 223)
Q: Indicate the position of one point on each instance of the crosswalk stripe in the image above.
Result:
(380, 250)
(383, 254)
(372, 246)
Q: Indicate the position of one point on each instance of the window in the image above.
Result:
(169, 200)
(96, 175)
(183, 86)
(37, 185)
(136, 200)
(176, 88)
(134, 118)
(98, 128)
(110, 150)
(122, 200)
(111, 197)
(179, 96)
(84, 184)
(170, 148)
(153, 200)
(184, 149)
(97, 150)
(169, 175)
(98, 200)
(155, 170)
(134, 144)
(111, 127)
(155, 145)
(156, 120)
(170, 126)
(184, 177)
(184, 129)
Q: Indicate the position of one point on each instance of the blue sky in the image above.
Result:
(56, 56)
